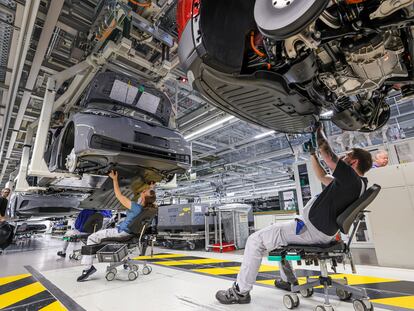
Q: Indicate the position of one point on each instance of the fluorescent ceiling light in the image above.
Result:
(327, 114)
(264, 134)
(208, 127)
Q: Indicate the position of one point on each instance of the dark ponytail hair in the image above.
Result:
(150, 200)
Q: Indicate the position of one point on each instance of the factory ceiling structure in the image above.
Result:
(40, 38)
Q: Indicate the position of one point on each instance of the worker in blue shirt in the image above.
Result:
(147, 200)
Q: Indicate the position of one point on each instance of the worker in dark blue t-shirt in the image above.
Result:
(147, 200)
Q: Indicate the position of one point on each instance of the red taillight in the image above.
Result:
(185, 10)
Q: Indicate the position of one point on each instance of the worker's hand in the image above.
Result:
(114, 175)
(318, 127)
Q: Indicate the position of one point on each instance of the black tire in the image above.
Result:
(132, 275)
(306, 293)
(363, 305)
(110, 276)
(288, 302)
(146, 270)
(274, 22)
(343, 294)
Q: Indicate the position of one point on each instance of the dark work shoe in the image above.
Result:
(232, 296)
(86, 274)
(283, 285)
(61, 254)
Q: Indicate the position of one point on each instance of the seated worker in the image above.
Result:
(147, 199)
(380, 159)
(78, 228)
(316, 225)
(4, 203)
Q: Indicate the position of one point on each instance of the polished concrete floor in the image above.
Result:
(168, 287)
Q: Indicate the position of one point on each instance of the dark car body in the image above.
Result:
(281, 64)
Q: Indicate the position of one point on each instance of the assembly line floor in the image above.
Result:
(180, 280)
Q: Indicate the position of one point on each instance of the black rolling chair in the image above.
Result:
(116, 251)
(335, 252)
(91, 225)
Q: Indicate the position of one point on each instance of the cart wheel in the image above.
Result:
(146, 270)
(291, 301)
(306, 292)
(113, 270)
(110, 276)
(343, 294)
(132, 275)
(191, 246)
(135, 267)
(363, 305)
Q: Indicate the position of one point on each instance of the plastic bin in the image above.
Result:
(112, 253)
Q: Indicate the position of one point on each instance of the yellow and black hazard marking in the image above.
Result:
(24, 292)
(388, 292)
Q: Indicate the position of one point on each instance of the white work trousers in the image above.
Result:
(97, 237)
(272, 237)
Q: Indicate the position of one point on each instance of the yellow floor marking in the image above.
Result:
(267, 282)
(9, 279)
(54, 306)
(20, 294)
(403, 302)
(159, 256)
(352, 279)
(233, 270)
(204, 261)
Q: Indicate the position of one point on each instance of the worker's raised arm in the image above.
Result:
(121, 198)
(320, 172)
(330, 158)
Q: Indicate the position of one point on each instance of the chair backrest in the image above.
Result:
(348, 216)
(144, 219)
(93, 223)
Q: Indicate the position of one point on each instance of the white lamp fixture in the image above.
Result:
(208, 127)
(264, 134)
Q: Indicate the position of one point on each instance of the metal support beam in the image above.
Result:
(47, 32)
(29, 19)
(21, 182)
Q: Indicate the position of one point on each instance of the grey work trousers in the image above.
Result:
(97, 237)
(272, 237)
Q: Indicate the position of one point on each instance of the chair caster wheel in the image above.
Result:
(306, 292)
(132, 275)
(343, 294)
(363, 305)
(323, 308)
(146, 270)
(291, 301)
(110, 276)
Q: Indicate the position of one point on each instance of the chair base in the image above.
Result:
(343, 291)
(128, 264)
